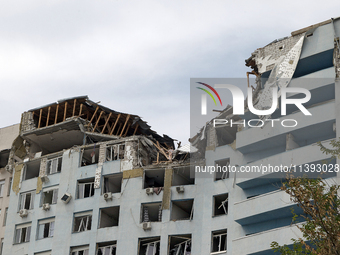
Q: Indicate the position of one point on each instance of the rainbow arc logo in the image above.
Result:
(204, 98)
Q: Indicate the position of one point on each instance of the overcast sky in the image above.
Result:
(135, 56)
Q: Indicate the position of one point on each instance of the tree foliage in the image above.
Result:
(319, 201)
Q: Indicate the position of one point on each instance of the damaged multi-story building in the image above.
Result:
(258, 211)
(89, 180)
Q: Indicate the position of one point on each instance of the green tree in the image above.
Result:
(320, 204)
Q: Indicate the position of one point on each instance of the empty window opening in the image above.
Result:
(221, 169)
(32, 170)
(90, 156)
(22, 233)
(113, 183)
(115, 152)
(26, 200)
(43, 253)
(86, 188)
(151, 212)
(108, 248)
(182, 210)
(182, 176)
(82, 222)
(46, 228)
(180, 245)
(53, 165)
(80, 250)
(154, 178)
(149, 246)
(109, 217)
(2, 185)
(49, 196)
(220, 204)
(219, 241)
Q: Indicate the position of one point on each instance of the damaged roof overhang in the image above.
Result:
(97, 121)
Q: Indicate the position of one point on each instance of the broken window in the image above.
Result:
(86, 188)
(221, 169)
(182, 209)
(151, 212)
(107, 248)
(109, 217)
(22, 233)
(32, 170)
(53, 165)
(113, 183)
(2, 185)
(149, 246)
(220, 204)
(180, 245)
(89, 156)
(45, 228)
(26, 200)
(115, 152)
(80, 250)
(82, 222)
(219, 241)
(181, 176)
(49, 196)
(154, 178)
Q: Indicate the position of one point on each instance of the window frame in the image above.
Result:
(19, 228)
(22, 203)
(82, 215)
(44, 222)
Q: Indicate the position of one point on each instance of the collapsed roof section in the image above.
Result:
(80, 121)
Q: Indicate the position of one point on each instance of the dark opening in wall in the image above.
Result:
(54, 165)
(49, 196)
(182, 209)
(115, 152)
(113, 183)
(109, 217)
(151, 212)
(82, 222)
(218, 241)
(221, 169)
(85, 188)
(149, 246)
(180, 244)
(181, 176)
(89, 156)
(32, 169)
(154, 178)
(220, 204)
(107, 248)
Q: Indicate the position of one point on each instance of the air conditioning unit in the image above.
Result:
(66, 198)
(149, 191)
(44, 178)
(23, 213)
(46, 207)
(146, 225)
(180, 189)
(107, 196)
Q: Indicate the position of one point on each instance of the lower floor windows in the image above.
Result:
(22, 233)
(107, 248)
(149, 246)
(46, 228)
(80, 250)
(82, 222)
(219, 241)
